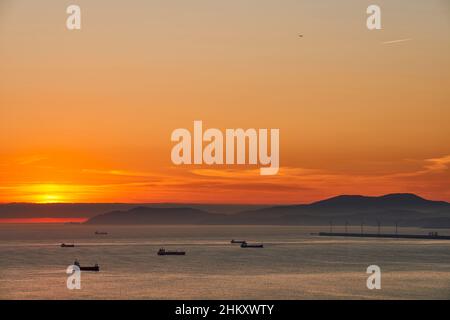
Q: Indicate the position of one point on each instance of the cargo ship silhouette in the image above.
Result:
(246, 245)
(96, 267)
(164, 252)
(63, 245)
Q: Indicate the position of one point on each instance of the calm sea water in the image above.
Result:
(292, 265)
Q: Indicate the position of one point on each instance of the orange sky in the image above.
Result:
(86, 116)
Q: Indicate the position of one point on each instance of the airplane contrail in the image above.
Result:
(396, 41)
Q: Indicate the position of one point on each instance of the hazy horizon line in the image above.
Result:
(225, 204)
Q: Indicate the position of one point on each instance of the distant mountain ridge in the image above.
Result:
(89, 210)
(400, 200)
(403, 208)
(147, 215)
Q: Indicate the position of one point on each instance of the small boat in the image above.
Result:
(164, 252)
(91, 268)
(63, 245)
(246, 245)
(101, 232)
(237, 241)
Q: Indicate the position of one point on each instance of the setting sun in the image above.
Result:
(49, 198)
(45, 193)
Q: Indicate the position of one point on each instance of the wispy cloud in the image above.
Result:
(432, 165)
(438, 164)
(31, 159)
(252, 173)
(426, 176)
(118, 172)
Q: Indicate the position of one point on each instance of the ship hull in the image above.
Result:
(95, 269)
(252, 246)
(171, 253)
